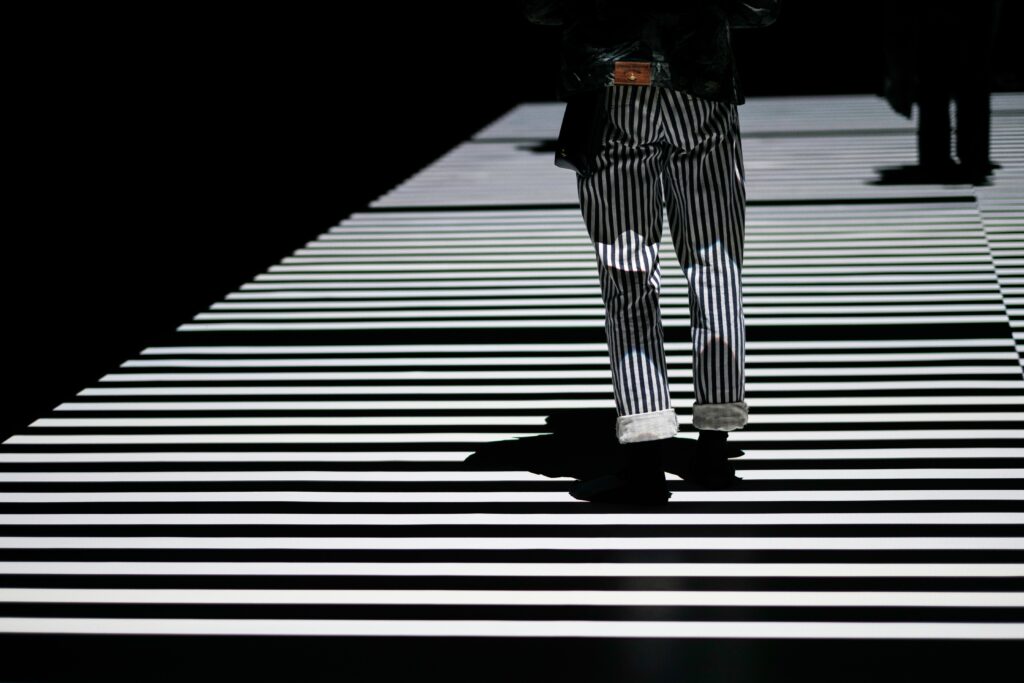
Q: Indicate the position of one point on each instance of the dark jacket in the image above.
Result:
(687, 41)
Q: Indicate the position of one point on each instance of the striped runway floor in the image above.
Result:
(374, 439)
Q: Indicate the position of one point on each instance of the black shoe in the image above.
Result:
(706, 463)
(922, 174)
(712, 473)
(975, 174)
(716, 444)
(641, 481)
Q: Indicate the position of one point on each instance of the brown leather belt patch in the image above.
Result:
(632, 73)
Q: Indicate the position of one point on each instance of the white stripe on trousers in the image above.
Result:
(661, 147)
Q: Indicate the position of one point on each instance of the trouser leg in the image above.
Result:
(706, 201)
(933, 130)
(621, 204)
(976, 27)
(935, 67)
(972, 129)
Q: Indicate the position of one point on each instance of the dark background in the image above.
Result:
(160, 161)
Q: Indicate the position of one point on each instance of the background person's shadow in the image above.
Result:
(918, 174)
(582, 445)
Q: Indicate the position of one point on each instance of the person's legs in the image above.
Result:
(977, 24)
(621, 203)
(706, 202)
(933, 132)
(972, 129)
(936, 39)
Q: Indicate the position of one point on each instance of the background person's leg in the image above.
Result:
(706, 202)
(976, 31)
(935, 65)
(620, 199)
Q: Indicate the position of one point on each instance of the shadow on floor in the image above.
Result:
(950, 174)
(582, 445)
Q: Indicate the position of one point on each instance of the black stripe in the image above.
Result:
(287, 466)
(612, 556)
(626, 583)
(515, 612)
(598, 531)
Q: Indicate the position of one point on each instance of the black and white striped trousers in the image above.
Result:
(663, 150)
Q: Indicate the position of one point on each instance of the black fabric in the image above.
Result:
(580, 134)
(688, 42)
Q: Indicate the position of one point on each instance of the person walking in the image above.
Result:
(651, 126)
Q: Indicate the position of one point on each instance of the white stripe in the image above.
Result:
(883, 473)
(572, 250)
(568, 247)
(341, 288)
(494, 420)
(459, 456)
(464, 497)
(485, 476)
(594, 322)
(559, 235)
(251, 456)
(959, 291)
(564, 237)
(1008, 355)
(814, 263)
(529, 389)
(468, 310)
(524, 520)
(473, 437)
(523, 543)
(504, 569)
(842, 345)
(435, 437)
(285, 475)
(445, 420)
(949, 280)
(536, 404)
(551, 257)
(584, 271)
(464, 375)
(525, 629)
(575, 598)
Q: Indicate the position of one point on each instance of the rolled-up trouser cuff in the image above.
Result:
(720, 416)
(661, 424)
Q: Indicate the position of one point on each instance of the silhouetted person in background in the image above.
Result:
(651, 123)
(938, 51)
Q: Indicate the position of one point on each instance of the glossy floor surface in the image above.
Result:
(366, 450)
